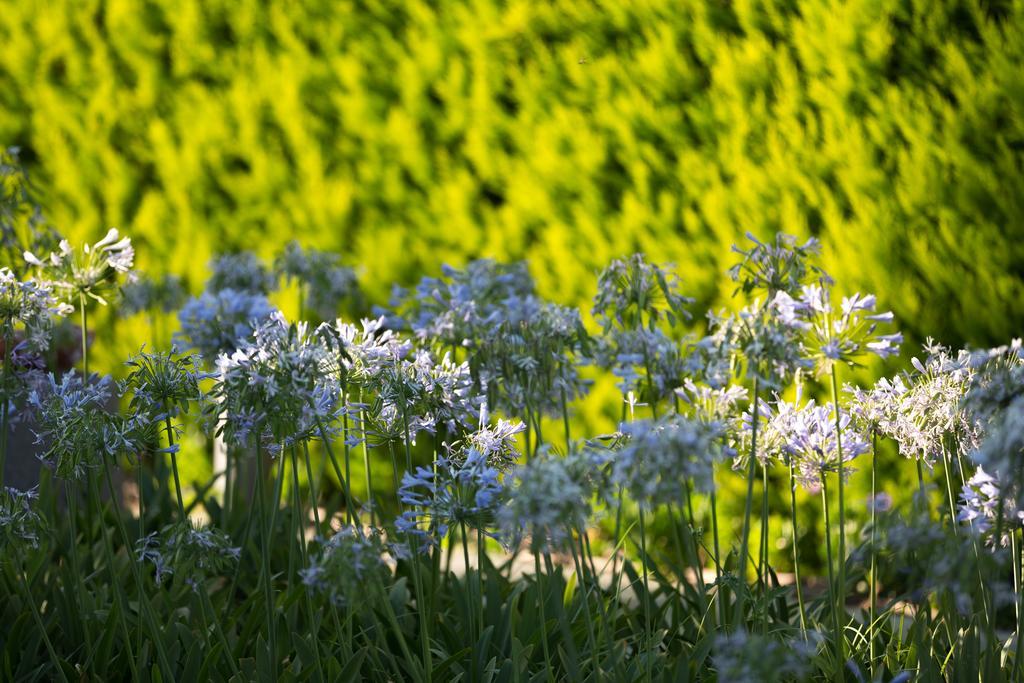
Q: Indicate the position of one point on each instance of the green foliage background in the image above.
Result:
(407, 134)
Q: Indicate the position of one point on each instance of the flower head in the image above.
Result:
(346, 564)
(20, 524)
(218, 322)
(241, 272)
(782, 266)
(633, 293)
(449, 494)
(191, 551)
(659, 457)
(165, 294)
(326, 282)
(92, 271)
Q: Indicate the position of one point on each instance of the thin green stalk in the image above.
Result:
(23, 584)
(301, 523)
(207, 606)
(350, 506)
(748, 506)
(543, 618)
(581, 577)
(174, 463)
(6, 399)
(268, 588)
(720, 589)
(464, 536)
(118, 590)
(648, 637)
(796, 550)
(841, 585)
(72, 500)
(763, 550)
(874, 553)
(836, 629)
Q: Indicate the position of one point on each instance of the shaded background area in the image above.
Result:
(407, 134)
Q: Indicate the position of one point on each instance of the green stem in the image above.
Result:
(268, 588)
(23, 584)
(3, 410)
(837, 631)
(796, 550)
(648, 637)
(174, 463)
(841, 582)
(748, 506)
(874, 555)
(543, 618)
(301, 522)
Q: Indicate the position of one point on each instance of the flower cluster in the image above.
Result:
(741, 657)
(633, 293)
(780, 267)
(219, 321)
(660, 457)
(844, 335)
(346, 565)
(807, 437)
(980, 502)
(324, 280)
(191, 551)
(241, 272)
(19, 521)
(27, 308)
(550, 497)
(92, 272)
(449, 494)
(165, 294)
(284, 375)
(74, 424)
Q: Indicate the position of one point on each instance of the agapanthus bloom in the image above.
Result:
(463, 307)
(633, 293)
(646, 361)
(844, 335)
(163, 383)
(741, 657)
(346, 565)
(780, 267)
(659, 458)
(549, 496)
(284, 373)
(241, 272)
(980, 502)
(20, 524)
(191, 551)
(764, 341)
(447, 495)
(418, 393)
(325, 281)
(91, 272)
(924, 414)
(522, 351)
(74, 425)
(27, 309)
(165, 294)
(496, 443)
(218, 322)
(806, 436)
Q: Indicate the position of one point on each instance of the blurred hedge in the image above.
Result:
(406, 134)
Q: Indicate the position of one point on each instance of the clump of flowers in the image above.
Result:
(984, 506)
(20, 524)
(191, 551)
(549, 496)
(633, 293)
(660, 456)
(838, 336)
(782, 266)
(763, 341)
(807, 436)
(91, 272)
(165, 294)
(742, 657)
(496, 443)
(449, 494)
(324, 281)
(219, 321)
(284, 375)
(522, 352)
(27, 309)
(241, 272)
(163, 383)
(347, 565)
(74, 425)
